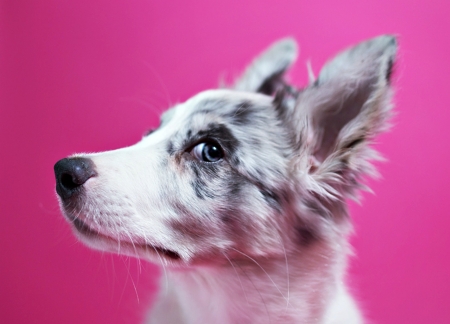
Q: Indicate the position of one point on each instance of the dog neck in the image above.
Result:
(298, 288)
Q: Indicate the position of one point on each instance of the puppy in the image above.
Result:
(241, 192)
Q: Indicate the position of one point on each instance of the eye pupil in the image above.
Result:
(207, 152)
(211, 153)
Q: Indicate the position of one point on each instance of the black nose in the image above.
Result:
(71, 174)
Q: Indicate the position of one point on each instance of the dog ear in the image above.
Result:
(265, 73)
(340, 113)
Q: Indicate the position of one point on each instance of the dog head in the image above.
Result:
(248, 171)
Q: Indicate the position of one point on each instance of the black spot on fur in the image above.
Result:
(201, 189)
(195, 169)
(389, 70)
(189, 134)
(271, 198)
(234, 187)
(170, 149)
(203, 174)
(305, 236)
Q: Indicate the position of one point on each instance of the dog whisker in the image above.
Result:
(134, 247)
(259, 293)
(127, 266)
(287, 273)
(166, 281)
(239, 277)
(163, 85)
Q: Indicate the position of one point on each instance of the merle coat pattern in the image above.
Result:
(240, 192)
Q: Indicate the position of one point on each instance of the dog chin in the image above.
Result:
(102, 242)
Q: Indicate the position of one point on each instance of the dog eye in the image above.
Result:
(207, 152)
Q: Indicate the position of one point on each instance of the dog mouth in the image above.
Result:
(87, 231)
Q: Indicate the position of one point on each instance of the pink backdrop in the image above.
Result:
(93, 75)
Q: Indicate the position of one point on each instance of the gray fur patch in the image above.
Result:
(202, 175)
(242, 115)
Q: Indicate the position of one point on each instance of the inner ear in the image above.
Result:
(265, 73)
(271, 84)
(332, 120)
(349, 102)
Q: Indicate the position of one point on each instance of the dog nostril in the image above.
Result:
(68, 182)
(71, 174)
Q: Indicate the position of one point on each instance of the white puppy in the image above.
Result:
(240, 193)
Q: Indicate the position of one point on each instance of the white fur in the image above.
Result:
(259, 236)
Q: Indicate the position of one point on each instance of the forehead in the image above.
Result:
(236, 107)
(243, 123)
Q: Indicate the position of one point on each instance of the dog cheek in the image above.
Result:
(193, 226)
(248, 225)
(192, 229)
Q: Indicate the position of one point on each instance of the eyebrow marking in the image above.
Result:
(223, 135)
(217, 132)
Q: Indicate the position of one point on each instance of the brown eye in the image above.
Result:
(208, 152)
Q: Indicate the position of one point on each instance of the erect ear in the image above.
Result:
(265, 73)
(342, 111)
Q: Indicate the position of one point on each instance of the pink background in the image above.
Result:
(93, 75)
